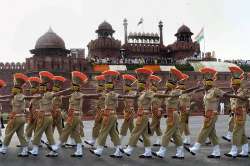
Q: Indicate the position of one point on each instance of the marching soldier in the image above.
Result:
(44, 120)
(109, 121)
(172, 104)
(33, 106)
(156, 110)
(57, 104)
(17, 116)
(128, 112)
(240, 111)
(211, 101)
(2, 84)
(184, 111)
(142, 127)
(229, 134)
(74, 122)
(98, 110)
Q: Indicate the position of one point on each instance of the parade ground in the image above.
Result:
(64, 158)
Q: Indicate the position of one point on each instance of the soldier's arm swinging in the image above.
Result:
(6, 96)
(62, 92)
(235, 96)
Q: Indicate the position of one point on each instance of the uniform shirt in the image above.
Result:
(185, 101)
(212, 98)
(173, 102)
(46, 102)
(75, 101)
(35, 103)
(100, 103)
(242, 92)
(111, 100)
(232, 104)
(157, 103)
(18, 103)
(129, 103)
(57, 101)
(145, 99)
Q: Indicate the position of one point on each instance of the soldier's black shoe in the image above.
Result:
(1, 143)
(76, 155)
(177, 157)
(122, 151)
(141, 140)
(157, 145)
(186, 144)
(19, 146)
(145, 157)
(86, 142)
(92, 151)
(69, 145)
(52, 155)
(242, 156)
(213, 157)
(226, 139)
(114, 156)
(248, 137)
(22, 155)
(32, 154)
(188, 149)
(156, 155)
(229, 155)
(208, 143)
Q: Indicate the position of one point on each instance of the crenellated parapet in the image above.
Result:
(13, 66)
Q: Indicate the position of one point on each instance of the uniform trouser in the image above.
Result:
(81, 130)
(110, 129)
(127, 124)
(172, 131)
(96, 128)
(141, 129)
(30, 128)
(18, 128)
(231, 124)
(57, 124)
(45, 127)
(239, 136)
(184, 127)
(208, 130)
(155, 126)
(73, 129)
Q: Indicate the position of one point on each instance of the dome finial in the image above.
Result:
(50, 30)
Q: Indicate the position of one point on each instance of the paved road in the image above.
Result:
(64, 158)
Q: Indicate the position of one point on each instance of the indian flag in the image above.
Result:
(200, 36)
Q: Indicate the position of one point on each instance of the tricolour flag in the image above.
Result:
(200, 36)
(140, 22)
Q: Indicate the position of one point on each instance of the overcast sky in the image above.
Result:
(226, 22)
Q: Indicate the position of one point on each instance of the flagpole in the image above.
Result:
(204, 48)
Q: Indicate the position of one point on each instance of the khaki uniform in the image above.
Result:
(128, 122)
(231, 121)
(142, 127)
(57, 114)
(156, 116)
(100, 104)
(74, 122)
(172, 130)
(16, 121)
(109, 122)
(240, 113)
(44, 120)
(211, 101)
(184, 109)
(32, 117)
